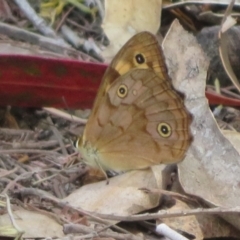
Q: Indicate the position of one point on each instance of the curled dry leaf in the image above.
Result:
(211, 167)
(121, 196)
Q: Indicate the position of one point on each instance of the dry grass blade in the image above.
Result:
(227, 22)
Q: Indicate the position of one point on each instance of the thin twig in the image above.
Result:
(42, 42)
(11, 151)
(58, 136)
(38, 22)
(64, 115)
(5, 173)
(167, 214)
(11, 215)
(168, 193)
(65, 15)
(32, 145)
(91, 233)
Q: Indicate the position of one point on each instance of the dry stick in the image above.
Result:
(47, 197)
(44, 179)
(86, 44)
(168, 193)
(39, 43)
(36, 156)
(72, 37)
(15, 131)
(12, 162)
(58, 218)
(229, 93)
(13, 151)
(8, 144)
(5, 173)
(225, 90)
(226, 23)
(5, 180)
(17, 178)
(81, 27)
(56, 149)
(10, 184)
(49, 177)
(167, 214)
(55, 48)
(9, 12)
(38, 22)
(58, 136)
(64, 18)
(64, 115)
(78, 228)
(33, 145)
(9, 210)
(229, 88)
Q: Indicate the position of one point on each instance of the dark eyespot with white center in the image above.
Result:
(140, 59)
(164, 130)
(122, 91)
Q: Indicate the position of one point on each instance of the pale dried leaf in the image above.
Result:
(125, 18)
(211, 167)
(121, 196)
(32, 224)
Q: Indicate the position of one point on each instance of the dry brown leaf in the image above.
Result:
(212, 165)
(121, 196)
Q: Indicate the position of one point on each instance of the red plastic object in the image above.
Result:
(36, 82)
(215, 98)
(29, 81)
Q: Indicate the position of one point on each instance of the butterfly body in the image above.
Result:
(138, 119)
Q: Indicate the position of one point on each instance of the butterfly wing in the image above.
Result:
(138, 119)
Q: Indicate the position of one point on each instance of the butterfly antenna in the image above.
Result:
(104, 173)
(75, 141)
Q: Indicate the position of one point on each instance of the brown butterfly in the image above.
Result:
(138, 119)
